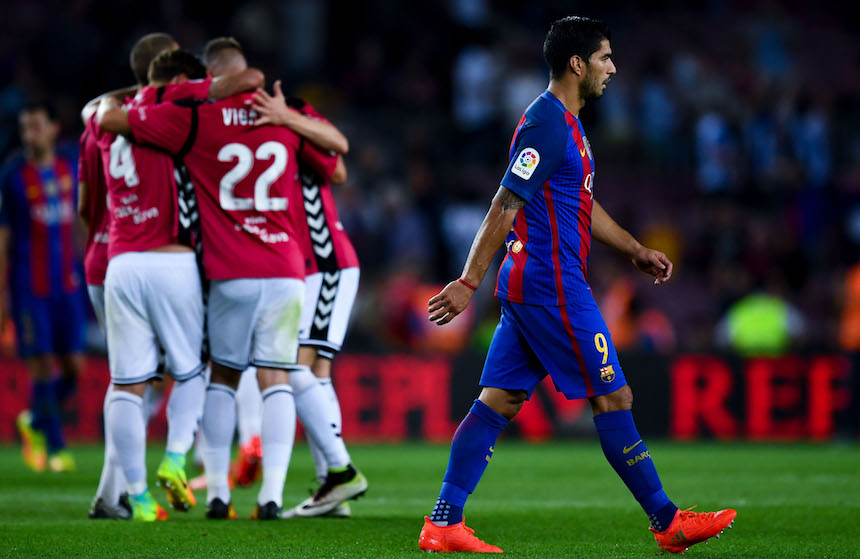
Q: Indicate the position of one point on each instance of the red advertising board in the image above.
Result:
(390, 398)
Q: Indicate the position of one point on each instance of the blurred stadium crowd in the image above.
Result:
(728, 139)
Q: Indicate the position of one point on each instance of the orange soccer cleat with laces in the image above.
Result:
(246, 469)
(689, 528)
(457, 537)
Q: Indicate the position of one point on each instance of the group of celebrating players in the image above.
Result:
(257, 225)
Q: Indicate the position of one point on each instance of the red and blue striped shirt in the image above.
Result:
(38, 205)
(552, 168)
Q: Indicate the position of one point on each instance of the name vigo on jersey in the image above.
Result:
(238, 117)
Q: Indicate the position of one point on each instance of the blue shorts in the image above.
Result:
(570, 343)
(54, 325)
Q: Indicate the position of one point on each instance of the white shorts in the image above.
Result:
(328, 303)
(153, 299)
(255, 321)
(97, 299)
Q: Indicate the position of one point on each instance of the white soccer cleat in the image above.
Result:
(338, 487)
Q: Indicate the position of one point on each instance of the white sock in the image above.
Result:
(184, 409)
(250, 404)
(315, 413)
(200, 442)
(151, 401)
(128, 434)
(278, 435)
(112, 480)
(219, 422)
(334, 413)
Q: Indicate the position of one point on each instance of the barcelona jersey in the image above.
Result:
(550, 323)
(38, 205)
(551, 167)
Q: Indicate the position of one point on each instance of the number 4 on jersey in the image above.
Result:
(261, 202)
(122, 162)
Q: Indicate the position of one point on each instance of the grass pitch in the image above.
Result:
(558, 500)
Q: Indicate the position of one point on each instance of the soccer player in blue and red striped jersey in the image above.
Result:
(37, 236)
(546, 214)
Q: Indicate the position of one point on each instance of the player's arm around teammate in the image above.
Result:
(273, 110)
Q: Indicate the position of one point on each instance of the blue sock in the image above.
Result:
(471, 450)
(631, 459)
(46, 415)
(64, 387)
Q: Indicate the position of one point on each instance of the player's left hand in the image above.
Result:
(273, 109)
(653, 262)
(449, 302)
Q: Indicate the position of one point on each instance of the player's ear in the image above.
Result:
(577, 65)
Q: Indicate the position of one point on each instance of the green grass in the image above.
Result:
(559, 500)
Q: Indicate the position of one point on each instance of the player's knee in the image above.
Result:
(506, 403)
(621, 399)
(71, 365)
(267, 377)
(321, 367)
(224, 375)
(40, 368)
(136, 389)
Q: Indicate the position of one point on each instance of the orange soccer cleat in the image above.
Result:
(689, 528)
(246, 469)
(457, 537)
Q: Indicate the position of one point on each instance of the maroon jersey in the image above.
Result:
(244, 177)
(140, 180)
(91, 176)
(325, 245)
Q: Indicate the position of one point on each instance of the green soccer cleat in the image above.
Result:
(62, 462)
(32, 443)
(171, 477)
(145, 508)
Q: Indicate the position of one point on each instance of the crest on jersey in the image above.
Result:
(607, 374)
(526, 163)
(587, 147)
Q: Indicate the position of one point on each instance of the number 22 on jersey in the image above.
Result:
(245, 158)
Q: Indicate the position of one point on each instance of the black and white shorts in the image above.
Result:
(329, 297)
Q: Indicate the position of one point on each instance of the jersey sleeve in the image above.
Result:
(168, 126)
(322, 161)
(538, 152)
(89, 160)
(192, 89)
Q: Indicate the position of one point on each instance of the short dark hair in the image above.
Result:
(35, 105)
(172, 63)
(572, 35)
(218, 44)
(144, 52)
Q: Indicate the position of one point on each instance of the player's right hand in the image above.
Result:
(449, 302)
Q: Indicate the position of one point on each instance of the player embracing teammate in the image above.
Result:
(152, 299)
(246, 178)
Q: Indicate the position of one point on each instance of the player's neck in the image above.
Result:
(40, 158)
(567, 91)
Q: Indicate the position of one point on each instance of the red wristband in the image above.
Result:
(470, 286)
